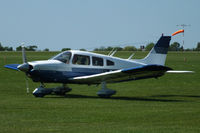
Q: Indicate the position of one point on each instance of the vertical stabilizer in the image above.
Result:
(158, 53)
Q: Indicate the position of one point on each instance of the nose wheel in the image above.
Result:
(41, 91)
(62, 90)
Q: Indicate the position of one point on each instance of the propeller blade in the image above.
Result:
(27, 86)
(24, 67)
(24, 54)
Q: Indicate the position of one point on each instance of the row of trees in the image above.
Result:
(127, 48)
(19, 48)
(173, 47)
(5, 48)
(65, 49)
(28, 48)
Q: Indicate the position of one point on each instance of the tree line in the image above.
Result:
(173, 47)
(19, 48)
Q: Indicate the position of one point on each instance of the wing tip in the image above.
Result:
(179, 72)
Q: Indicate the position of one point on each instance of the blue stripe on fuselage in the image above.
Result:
(63, 76)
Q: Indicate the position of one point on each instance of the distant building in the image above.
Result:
(142, 47)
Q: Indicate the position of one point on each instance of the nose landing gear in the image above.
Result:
(41, 91)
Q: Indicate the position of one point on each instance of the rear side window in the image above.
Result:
(110, 63)
(96, 61)
(81, 59)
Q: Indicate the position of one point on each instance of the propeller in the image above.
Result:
(25, 67)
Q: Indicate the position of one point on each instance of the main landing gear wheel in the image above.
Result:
(105, 92)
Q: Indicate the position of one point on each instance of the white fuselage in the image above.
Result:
(57, 69)
(57, 65)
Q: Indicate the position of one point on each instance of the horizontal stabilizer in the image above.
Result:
(174, 71)
(12, 66)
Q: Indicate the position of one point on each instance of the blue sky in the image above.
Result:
(57, 24)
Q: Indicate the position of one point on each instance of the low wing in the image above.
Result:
(147, 71)
(12, 66)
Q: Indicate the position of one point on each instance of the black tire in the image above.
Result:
(40, 95)
(104, 96)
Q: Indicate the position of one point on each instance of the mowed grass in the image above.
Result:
(168, 104)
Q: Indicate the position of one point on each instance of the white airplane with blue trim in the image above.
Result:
(81, 67)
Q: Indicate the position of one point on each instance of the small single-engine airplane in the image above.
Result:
(80, 67)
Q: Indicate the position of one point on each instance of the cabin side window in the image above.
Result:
(81, 60)
(96, 61)
(110, 63)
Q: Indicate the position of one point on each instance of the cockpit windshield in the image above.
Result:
(63, 57)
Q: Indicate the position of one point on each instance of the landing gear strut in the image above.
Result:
(105, 92)
(41, 91)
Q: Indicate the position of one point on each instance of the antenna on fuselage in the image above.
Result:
(130, 57)
(113, 53)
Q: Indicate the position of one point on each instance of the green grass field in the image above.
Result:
(170, 104)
